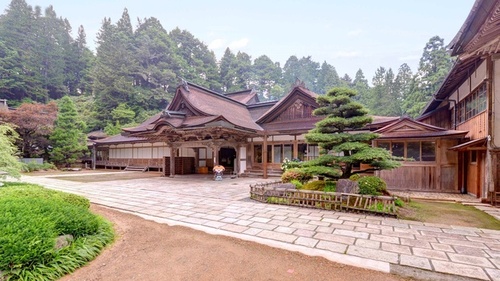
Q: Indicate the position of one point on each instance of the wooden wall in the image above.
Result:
(477, 126)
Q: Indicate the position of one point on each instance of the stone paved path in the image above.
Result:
(423, 250)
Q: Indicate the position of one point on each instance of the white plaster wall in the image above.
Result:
(479, 75)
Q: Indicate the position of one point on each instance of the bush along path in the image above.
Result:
(46, 234)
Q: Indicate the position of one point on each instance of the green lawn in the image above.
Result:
(447, 213)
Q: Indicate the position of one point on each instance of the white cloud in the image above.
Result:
(354, 33)
(217, 44)
(345, 54)
(238, 43)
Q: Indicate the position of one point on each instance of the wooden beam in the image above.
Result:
(264, 157)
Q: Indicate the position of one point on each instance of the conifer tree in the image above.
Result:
(341, 149)
(68, 139)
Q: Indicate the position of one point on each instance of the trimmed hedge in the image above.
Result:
(372, 185)
(32, 218)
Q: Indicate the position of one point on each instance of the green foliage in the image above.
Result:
(330, 186)
(297, 184)
(288, 164)
(276, 200)
(296, 174)
(33, 166)
(355, 177)
(32, 218)
(315, 185)
(8, 160)
(372, 185)
(68, 140)
(341, 150)
(398, 202)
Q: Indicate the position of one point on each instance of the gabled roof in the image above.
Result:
(297, 92)
(119, 139)
(408, 128)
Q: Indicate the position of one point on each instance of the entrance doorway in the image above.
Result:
(227, 157)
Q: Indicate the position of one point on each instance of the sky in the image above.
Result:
(348, 34)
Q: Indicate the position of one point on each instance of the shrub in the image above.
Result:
(315, 185)
(355, 177)
(32, 218)
(297, 184)
(372, 185)
(330, 186)
(33, 166)
(398, 202)
(296, 174)
(20, 190)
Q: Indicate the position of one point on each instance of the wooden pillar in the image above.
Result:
(94, 156)
(295, 153)
(172, 160)
(264, 157)
(237, 160)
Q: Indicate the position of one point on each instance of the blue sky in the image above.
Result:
(348, 34)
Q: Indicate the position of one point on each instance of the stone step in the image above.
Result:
(136, 168)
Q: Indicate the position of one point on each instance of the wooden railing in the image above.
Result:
(277, 193)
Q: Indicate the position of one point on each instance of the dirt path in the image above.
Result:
(146, 250)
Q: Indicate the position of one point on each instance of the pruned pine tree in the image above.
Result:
(341, 146)
(68, 140)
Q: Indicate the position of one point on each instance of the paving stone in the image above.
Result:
(308, 242)
(426, 228)
(454, 242)
(195, 220)
(493, 273)
(252, 231)
(460, 269)
(442, 235)
(297, 220)
(368, 230)
(373, 254)
(289, 238)
(260, 219)
(324, 229)
(380, 227)
(332, 220)
(430, 254)
(482, 240)
(367, 243)
(395, 223)
(426, 238)
(493, 235)
(335, 238)
(304, 233)
(332, 246)
(371, 221)
(470, 251)
(279, 217)
(263, 225)
(414, 261)
(320, 223)
(215, 224)
(243, 222)
(472, 260)
(230, 215)
(280, 223)
(303, 226)
(398, 234)
(383, 238)
(467, 232)
(415, 243)
(346, 217)
(311, 218)
(229, 220)
(402, 249)
(284, 229)
(355, 224)
(442, 247)
(350, 233)
(234, 228)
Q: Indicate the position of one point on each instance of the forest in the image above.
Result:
(135, 69)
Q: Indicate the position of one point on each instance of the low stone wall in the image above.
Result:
(286, 194)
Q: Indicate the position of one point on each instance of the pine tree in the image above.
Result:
(68, 140)
(341, 149)
(434, 65)
(328, 78)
